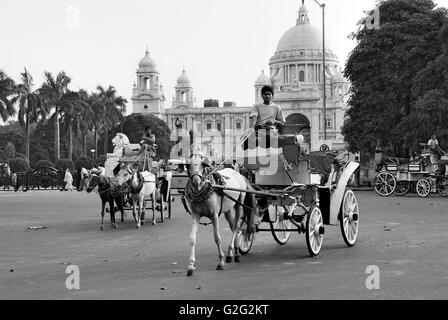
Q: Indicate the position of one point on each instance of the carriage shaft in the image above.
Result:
(272, 194)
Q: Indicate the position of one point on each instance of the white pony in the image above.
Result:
(202, 200)
(142, 186)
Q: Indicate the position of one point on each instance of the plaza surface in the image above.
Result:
(405, 237)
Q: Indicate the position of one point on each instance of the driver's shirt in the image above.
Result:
(265, 112)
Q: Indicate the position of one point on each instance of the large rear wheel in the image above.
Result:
(281, 227)
(385, 183)
(314, 231)
(349, 221)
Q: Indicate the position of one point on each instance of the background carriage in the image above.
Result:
(399, 179)
(129, 154)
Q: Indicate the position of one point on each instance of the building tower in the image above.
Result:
(147, 94)
(184, 96)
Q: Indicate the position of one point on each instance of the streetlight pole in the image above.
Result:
(323, 67)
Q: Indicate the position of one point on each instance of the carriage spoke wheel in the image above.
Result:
(423, 187)
(442, 187)
(402, 188)
(385, 183)
(314, 231)
(280, 228)
(349, 220)
(245, 241)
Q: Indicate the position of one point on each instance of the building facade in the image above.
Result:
(296, 73)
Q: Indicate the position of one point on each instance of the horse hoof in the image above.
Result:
(189, 272)
(142, 223)
(115, 226)
(228, 259)
(219, 267)
(153, 223)
(237, 259)
(101, 228)
(137, 226)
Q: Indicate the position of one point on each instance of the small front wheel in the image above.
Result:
(281, 227)
(349, 220)
(442, 187)
(245, 241)
(423, 187)
(314, 231)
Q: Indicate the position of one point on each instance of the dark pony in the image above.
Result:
(108, 192)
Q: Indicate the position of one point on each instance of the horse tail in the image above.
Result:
(249, 213)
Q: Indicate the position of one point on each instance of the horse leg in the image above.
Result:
(112, 214)
(215, 221)
(120, 203)
(237, 221)
(142, 210)
(134, 205)
(192, 259)
(153, 197)
(103, 205)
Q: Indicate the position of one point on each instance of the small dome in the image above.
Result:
(183, 80)
(262, 79)
(147, 62)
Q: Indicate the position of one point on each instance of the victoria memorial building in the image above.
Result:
(295, 72)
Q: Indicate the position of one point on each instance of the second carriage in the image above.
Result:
(132, 155)
(400, 178)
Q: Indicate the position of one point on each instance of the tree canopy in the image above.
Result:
(399, 78)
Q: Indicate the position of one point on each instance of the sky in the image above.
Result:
(223, 45)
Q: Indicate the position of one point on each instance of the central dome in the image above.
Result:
(147, 62)
(303, 35)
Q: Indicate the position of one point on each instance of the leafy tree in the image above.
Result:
(112, 109)
(43, 163)
(57, 96)
(7, 89)
(64, 164)
(134, 127)
(31, 106)
(383, 69)
(19, 165)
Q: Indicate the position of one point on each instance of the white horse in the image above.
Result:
(142, 186)
(201, 200)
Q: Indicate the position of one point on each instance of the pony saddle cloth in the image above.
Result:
(148, 176)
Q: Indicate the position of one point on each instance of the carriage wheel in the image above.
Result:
(385, 183)
(349, 219)
(282, 236)
(314, 231)
(402, 188)
(423, 187)
(245, 241)
(442, 187)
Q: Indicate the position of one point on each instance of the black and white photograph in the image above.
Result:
(227, 156)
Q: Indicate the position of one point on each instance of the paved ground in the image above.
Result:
(405, 237)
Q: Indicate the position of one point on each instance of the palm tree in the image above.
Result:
(57, 96)
(31, 107)
(71, 119)
(113, 108)
(7, 89)
(85, 120)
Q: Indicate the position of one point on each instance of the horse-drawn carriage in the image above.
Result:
(399, 177)
(287, 190)
(132, 177)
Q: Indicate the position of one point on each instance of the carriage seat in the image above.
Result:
(287, 147)
(131, 149)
